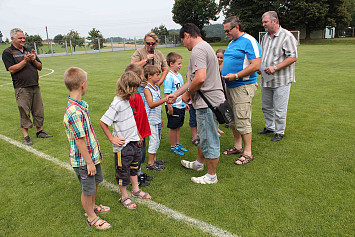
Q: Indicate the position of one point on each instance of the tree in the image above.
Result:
(1, 37)
(75, 39)
(199, 12)
(338, 15)
(31, 39)
(59, 39)
(161, 32)
(94, 35)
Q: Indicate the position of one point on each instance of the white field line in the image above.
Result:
(205, 227)
(52, 71)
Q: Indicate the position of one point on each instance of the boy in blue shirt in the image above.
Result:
(175, 112)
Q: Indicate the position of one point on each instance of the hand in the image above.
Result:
(150, 56)
(270, 70)
(118, 141)
(187, 107)
(170, 99)
(230, 77)
(186, 97)
(170, 110)
(27, 57)
(91, 169)
(33, 55)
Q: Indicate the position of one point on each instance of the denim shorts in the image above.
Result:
(88, 183)
(207, 133)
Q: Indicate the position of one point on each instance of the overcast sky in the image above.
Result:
(124, 18)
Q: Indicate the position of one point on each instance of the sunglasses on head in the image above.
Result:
(227, 31)
(150, 43)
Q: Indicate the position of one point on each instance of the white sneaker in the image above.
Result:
(204, 180)
(191, 165)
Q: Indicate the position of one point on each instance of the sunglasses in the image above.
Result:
(150, 43)
(227, 31)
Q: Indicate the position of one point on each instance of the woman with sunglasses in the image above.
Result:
(150, 56)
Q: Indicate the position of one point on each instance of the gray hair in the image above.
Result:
(13, 32)
(272, 15)
(234, 21)
(153, 35)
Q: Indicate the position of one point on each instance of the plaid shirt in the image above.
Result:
(78, 125)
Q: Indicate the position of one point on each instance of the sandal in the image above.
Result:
(100, 210)
(232, 151)
(129, 204)
(244, 159)
(98, 224)
(155, 167)
(137, 194)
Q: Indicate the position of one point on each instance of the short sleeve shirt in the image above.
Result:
(154, 114)
(172, 83)
(78, 125)
(120, 116)
(236, 59)
(203, 57)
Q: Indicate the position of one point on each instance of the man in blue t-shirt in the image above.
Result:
(241, 61)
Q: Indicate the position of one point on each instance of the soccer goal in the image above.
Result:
(296, 33)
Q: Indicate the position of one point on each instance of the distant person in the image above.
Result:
(241, 61)
(153, 106)
(220, 57)
(176, 111)
(150, 56)
(23, 64)
(203, 73)
(85, 155)
(124, 138)
(140, 115)
(279, 54)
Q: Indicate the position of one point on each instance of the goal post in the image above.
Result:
(296, 33)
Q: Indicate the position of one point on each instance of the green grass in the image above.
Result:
(301, 186)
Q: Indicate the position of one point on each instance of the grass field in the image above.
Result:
(301, 186)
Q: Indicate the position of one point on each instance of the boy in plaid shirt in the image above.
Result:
(85, 155)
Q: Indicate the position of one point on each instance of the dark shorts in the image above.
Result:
(126, 163)
(88, 183)
(176, 120)
(192, 120)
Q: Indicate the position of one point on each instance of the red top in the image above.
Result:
(140, 115)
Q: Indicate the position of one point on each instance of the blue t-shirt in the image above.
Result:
(172, 83)
(237, 56)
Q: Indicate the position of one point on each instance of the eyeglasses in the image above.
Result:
(227, 31)
(150, 43)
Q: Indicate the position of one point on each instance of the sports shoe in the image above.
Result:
(177, 151)
(277, 137)
(265, 131)
(160, 162)
(141, 181)
(147, 177)
(43, 134)
(191, 165)
(27, 141)
(204, 180)
(182, 148)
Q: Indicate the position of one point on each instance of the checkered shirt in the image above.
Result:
(78, 125)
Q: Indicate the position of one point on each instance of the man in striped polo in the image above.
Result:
(279, 54)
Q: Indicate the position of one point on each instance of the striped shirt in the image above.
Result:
(154, 115)
(172, 83)
(120, 116)
(276, 49)
(78, 125)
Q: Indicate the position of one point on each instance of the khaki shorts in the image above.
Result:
(240, 99)
(29, 101)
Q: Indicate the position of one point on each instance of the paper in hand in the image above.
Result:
(266, 77)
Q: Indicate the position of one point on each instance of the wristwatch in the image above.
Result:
(188, 90)
(275, 68)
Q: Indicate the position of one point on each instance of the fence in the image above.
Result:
(82, 45)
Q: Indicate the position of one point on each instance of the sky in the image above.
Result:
(123, 18)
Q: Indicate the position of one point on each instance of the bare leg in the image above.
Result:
(172, 136)
(151, 158)
(25, 132)
(212, 165)
(193, 132)
(247, 143)
(177, 135)
(86, 201)
(238, 141)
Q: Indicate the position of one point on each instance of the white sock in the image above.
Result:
(211, 176)
(198, 163)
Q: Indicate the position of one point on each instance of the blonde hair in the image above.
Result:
(137, 69)
(172, 57)
(153, 35)
(150, 70)
(74, 77)
(127, 85)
